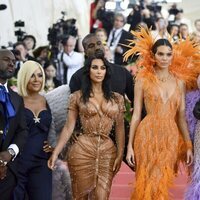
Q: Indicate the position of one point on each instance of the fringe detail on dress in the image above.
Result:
(148, 191)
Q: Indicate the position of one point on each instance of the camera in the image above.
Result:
(19, 23)
(59, 31)
(19, 33)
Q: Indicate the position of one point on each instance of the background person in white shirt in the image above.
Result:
(161, 29)
(69, 60)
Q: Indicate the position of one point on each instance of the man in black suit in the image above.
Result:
(121, 79)
(12, 126)
(117, 38)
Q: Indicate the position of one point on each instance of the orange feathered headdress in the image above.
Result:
(186, 56)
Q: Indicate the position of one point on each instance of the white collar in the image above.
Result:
(117, 30)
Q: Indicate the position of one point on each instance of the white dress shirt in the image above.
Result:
(117, 36)
(73, 60)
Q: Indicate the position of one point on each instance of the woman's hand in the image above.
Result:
(130, 158)
(117, 164)
(52, 160)
(47, 148)
(189, 157)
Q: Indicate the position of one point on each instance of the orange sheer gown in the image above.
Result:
(91, 158)
(156, 144)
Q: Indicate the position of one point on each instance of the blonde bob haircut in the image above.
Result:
(24, 75)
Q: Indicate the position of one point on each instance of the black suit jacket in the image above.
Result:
(17, 131)
(121, 81)
(125, 36)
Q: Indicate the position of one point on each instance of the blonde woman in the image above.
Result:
(34, 177)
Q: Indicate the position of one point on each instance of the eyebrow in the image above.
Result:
(164, 52)
(99, 66)
(34, 74)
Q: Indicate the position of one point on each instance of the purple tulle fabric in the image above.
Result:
(193, 191)
(191, 99)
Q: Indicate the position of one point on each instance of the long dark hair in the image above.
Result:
(161, 42)
(86, 86)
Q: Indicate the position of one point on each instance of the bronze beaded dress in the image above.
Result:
(91, 157)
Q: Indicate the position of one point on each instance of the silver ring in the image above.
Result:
(3, 177)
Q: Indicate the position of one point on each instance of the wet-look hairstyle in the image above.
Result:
(86, 86)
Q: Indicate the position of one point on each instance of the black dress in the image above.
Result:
(34, 176)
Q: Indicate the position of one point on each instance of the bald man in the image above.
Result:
(13, 129)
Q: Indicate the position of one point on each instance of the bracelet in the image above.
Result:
(188, 144)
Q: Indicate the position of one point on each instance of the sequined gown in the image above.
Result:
(91, 158)
(156, 144)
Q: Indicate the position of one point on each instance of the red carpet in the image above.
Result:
(121, 188)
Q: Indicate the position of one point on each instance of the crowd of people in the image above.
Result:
(63, 132)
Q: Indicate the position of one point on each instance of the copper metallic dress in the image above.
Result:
(91, 158)
(156, 144)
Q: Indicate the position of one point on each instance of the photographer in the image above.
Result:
(69, 60)
(30, 42)
(21, 55)
(41, 54)
(134, 18)
(60, 31)
(161, 29)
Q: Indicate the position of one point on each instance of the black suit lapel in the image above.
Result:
(121, 40)
(1, 108)
(13, 99)
(2, 125)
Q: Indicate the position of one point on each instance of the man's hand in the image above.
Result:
(5, 157)
(47, 148)
(3, 170)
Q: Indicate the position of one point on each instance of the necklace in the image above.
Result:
(164, 79)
